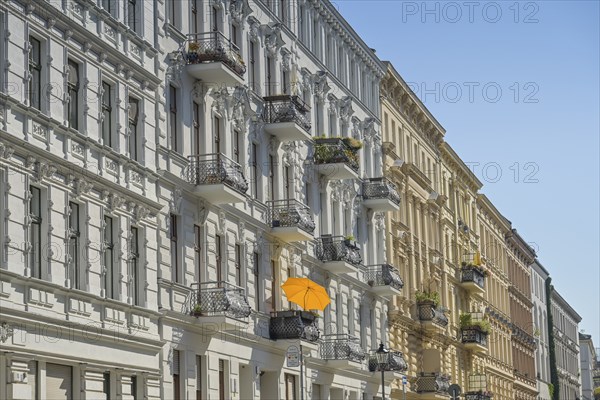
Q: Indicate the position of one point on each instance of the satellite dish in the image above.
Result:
(454, 391)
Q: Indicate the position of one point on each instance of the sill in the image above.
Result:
(172, 30)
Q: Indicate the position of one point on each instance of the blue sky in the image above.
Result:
(516, 85)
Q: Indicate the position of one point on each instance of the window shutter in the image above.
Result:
(58, 382)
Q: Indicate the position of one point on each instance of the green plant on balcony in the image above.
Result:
(197, 310)
(466, 321)
(596, 392)
(352, 143)
(551, 389)
(427, 296)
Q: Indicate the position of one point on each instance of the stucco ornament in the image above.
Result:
(239, 10)
(320, 85)
(273, 39)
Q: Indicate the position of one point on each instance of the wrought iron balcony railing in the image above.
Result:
(471, 273)
(474, 334)
(218, 298)
(480, 395)
(430, 313)
(290, 213)
(432, 383)
(293, 324)
(341, 347)
(335, 150)
(209, 169)
(396, 362)
(336, 248)
(380, 188)
(286, 108)
(383, 275)
(210, 47)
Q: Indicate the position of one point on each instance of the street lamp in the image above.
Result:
(383, 356)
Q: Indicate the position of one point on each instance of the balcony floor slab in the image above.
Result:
(381, 204)
(291, 234)
(340, 267)
(336, 171)
(287, 131)
(219, 193)
(215, 73)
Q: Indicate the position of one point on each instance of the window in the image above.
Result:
(234, 34)
(106, 114)
(290, 387)
(73, 92)
(176, 370)
(133, 129)
(174, 247)
(134, 387)
(221, 379)
(132, 18)
(35, 71)
(282, 11)
(194, 12)
(270, 83)
(256, 272)
(59, 382)
(237, 146)
(217, 134)
(110, 282)
(238, 264)
(74, 256)
(307, 189)
(289, 187)
(199, 372)
(214, 19)
(273, 284)
(271, 177)
(134, 266)
(252, 73)
(285, 81)
(173, 116)
(219, 258)
(106, 385)
(35, 232)
(254, 171)
(198, 251)
(173, 15)
(196, 126)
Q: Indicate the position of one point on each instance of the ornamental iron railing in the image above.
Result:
(293, 324)
(210, 169)
(218, 298)
(208, 47)
(334, 151)
(336, 248)
(478, 395)
(432, 383)
(430, 313)
(286, 108)
(380, 188)
(341, 347)
(473, 274)
(474, 334)
(290, 213)
(396, 362)
(383, 275)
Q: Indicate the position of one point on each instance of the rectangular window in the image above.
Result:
(273, 284)
(194, 12)
(35, 232)
(237, 146)
(217, 134)
(289, 187)
(173, 13)
(134, 265)
(214, 19)
(256, 272)
(73, 92)
(198, 251)
(270, 82)
(282, 11)
(106, 385)
(252, 73)
(134, 387)
(219, 258)
(254, 167)
(133, 115)
(196, 127)
(290, 387)
(173, 116)
(174, 247)
(35, 71)
(110, 285)
(176, 372)
(132, 17)
(199, 372)
(221, 379)
(238, 264)
(106, 114)
(234, 34)
(272, 177)
(285, 81)
(74, 246)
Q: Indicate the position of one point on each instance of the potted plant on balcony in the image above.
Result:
(197, 310)
(427, 297)
(466, 322)
(352, 143)
(192, 55)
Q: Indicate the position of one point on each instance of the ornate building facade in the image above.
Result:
(539, 276)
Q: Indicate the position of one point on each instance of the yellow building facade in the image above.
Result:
(452, 320)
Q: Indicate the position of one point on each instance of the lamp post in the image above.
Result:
(383, 356)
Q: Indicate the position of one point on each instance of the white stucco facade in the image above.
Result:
(112, 234)
(588, 365)
(539, 275)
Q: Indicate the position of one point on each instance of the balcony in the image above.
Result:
(384, 279)
(291, 221)
(287, 118)
(339, 255)
(432, 385)
(472, 279)
(217, 178)
(474, 338)
(214, 59)
(379, 194)
(294, 325)
(342, 351)
(336, 159)
(480, 395)
(396, 363)
(219, 305)
(431, 316)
